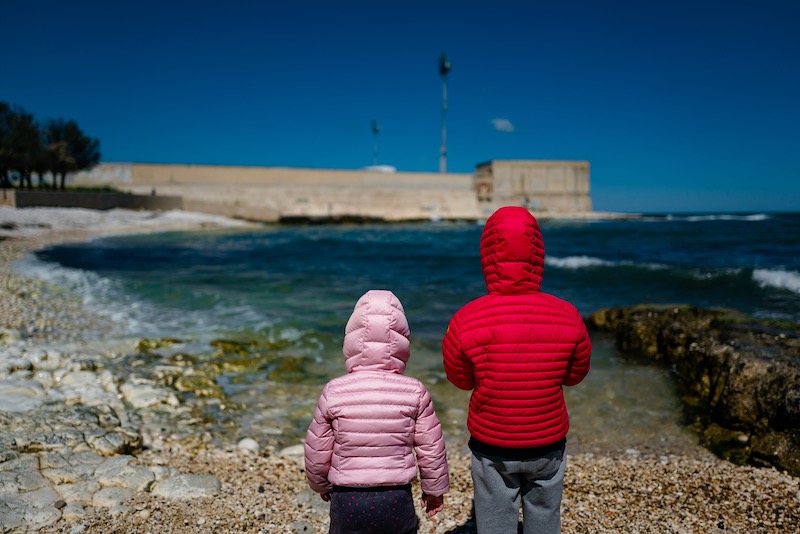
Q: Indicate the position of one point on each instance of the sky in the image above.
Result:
(678, 105)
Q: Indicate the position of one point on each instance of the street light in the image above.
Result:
(444, 68)
(375, 130)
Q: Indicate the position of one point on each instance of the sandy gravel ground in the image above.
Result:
(692, 492)
(627, 493)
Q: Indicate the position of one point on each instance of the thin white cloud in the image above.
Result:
(502, 125)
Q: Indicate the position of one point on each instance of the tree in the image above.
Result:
(27, 147)
(6, 114)
(24, 145)
(69, 148)
(87, 153)
(57, 133)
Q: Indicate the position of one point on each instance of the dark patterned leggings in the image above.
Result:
(373, 510)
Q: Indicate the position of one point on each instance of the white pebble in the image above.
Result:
(293, 450)
(248, 445)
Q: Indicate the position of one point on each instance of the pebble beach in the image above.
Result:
(79, 451)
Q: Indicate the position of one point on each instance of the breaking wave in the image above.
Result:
(777, 278)
(719, 217)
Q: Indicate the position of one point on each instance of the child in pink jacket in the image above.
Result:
(374, 426)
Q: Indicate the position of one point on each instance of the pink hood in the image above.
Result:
(376, 336)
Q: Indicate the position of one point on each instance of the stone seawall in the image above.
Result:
(273, 194)
(88, 200)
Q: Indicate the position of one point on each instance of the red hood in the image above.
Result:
(512, 252)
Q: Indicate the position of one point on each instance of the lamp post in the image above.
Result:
(444, 68)
(375, 130)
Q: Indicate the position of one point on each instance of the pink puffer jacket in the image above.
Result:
(370, 423)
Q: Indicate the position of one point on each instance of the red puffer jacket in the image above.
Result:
(517, 346)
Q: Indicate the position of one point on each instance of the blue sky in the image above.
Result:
(678, 105)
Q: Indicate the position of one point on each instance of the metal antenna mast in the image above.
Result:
(375, 130)
(444, 68)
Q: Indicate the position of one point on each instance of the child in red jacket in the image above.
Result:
(516, 348)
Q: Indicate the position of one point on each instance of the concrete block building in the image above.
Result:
(540, 186)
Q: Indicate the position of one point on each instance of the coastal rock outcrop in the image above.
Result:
(70, 431)
(740, 376)
(69, 445)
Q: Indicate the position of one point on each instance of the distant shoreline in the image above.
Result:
(35, 228)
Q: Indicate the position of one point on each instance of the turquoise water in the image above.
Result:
(293, 287)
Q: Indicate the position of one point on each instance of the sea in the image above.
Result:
(288, 290)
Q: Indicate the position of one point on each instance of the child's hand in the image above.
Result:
(433, 505)
(326, 496)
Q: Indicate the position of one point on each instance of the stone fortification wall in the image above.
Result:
(274, 193)
(541, 186)
(547, 188)
(89, 200)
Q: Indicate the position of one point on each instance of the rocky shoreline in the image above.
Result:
(741, 377)
(80, 450)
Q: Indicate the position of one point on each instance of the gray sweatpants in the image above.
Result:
(500, 485)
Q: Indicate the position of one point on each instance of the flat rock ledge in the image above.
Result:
(69, 443)
(740, 377)
(59, 462)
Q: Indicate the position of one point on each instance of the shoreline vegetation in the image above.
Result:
(78, 452)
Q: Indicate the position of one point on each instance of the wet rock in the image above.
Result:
(123, 471)
(13, 365)
(182, 359)
(73, 512)
(9, 336)
(46, 360)
(83, 387)
(187, 486)
(52, 427)
(149, 345)
(41, 500)
(20, 395)
(239, 364)
(31, 481)
(227, 346)
(111, 497)
(741, 376)
(199, 384)
(12, 512)
(292, 369)
(78, 492)
(146, 395)
(776, 448)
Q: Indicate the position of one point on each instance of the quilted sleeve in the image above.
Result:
(429, 447)
(319, 448)
(578, 366)
(456, 365)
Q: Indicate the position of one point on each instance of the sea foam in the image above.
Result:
(98, 294)
(82, 283)
(577, 262)
(720, 217)
(583, 262)
(778, 278)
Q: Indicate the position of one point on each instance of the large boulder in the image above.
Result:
(741, 377)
